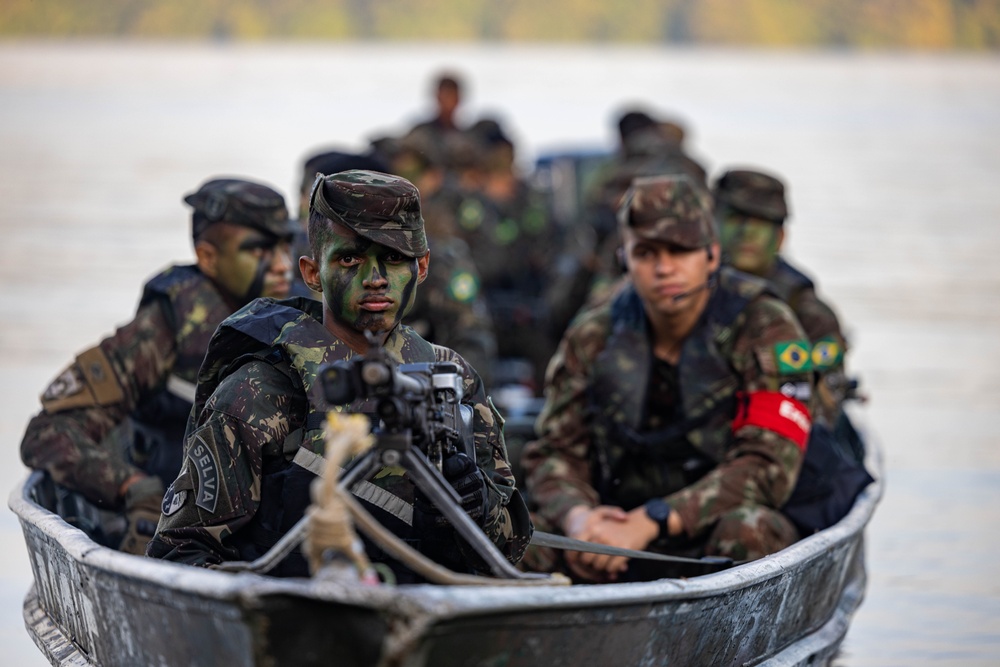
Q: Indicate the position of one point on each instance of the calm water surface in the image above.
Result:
(892, 163)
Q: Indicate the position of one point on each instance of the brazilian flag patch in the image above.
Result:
(826, 353)
(463, 286)
(793, 356)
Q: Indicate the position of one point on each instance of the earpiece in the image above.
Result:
(620, 259)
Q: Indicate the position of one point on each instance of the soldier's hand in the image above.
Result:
(588, 524)
(142, 511)
(462, 473)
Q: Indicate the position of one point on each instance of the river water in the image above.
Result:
(892, 163)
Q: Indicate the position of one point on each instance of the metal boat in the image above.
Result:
(91, 605)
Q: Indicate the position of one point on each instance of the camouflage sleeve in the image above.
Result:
(819, 320)
(829, 346)
(771, 356)
(217, 491)
(557, 466)
(72, 437)
(506, 522)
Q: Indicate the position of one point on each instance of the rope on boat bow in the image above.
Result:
(329, 528)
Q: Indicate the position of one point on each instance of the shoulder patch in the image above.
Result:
(203, 459)
(97, 370)
(826, 353)
(64, 388)
(801, 391)
(172, 501)
(463, 286)
(793, 357)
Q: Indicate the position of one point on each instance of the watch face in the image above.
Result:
(658, 510)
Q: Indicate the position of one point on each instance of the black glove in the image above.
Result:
(142, 511)
(467, 479)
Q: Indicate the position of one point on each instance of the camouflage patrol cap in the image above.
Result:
(380, 207)
(669, 208)
(239, 202)
(330, 162)
(753, 193)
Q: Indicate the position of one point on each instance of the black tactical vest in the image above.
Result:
(264, 331)
(194, 308)
(788, 282)
(629, 466)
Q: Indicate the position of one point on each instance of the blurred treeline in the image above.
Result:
(894, 24)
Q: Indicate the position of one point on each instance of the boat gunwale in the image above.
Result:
(445, 600)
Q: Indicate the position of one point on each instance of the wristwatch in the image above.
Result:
(658, 510)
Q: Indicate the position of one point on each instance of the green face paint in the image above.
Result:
(244, 262)
(367, 286)
(750, 244)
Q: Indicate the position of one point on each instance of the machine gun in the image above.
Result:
(421, 419)
(419, 403)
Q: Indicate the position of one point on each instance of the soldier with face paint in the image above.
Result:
(666, 424)
(112, 424)
(255, 442)
(750, 212)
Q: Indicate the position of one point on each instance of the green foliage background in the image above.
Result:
(862, 24)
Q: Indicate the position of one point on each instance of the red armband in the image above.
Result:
(776, 412)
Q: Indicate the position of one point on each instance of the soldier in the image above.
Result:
(447, 96)
(750, 211)
(256, 431)
(648, 148)
(112, 424)
(515, 244)
(326, 162)
(450, 308)
(671, 419)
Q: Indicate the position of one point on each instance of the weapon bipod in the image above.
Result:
(396, 449)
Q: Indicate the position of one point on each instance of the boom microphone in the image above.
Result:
(708, 284)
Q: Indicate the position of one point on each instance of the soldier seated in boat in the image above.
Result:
(112, 424)
(671, 420)
(750, 212)
(255, 443)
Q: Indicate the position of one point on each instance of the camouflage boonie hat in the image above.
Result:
(753, 193)
(239, 202)
(671, 209)
(380, 207)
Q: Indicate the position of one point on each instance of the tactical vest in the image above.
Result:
(788, 282)
(630, 466)
(194, 308)
(290, 336)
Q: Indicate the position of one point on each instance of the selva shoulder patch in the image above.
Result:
(203, 459)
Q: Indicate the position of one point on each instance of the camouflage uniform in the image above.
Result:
(512, 242)
(120, 409)
(451, 308)
(255, 440)
(260, 425)
(760, 196)
(719, 435)
(145, 371)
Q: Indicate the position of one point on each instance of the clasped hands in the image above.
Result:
(613, 526)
